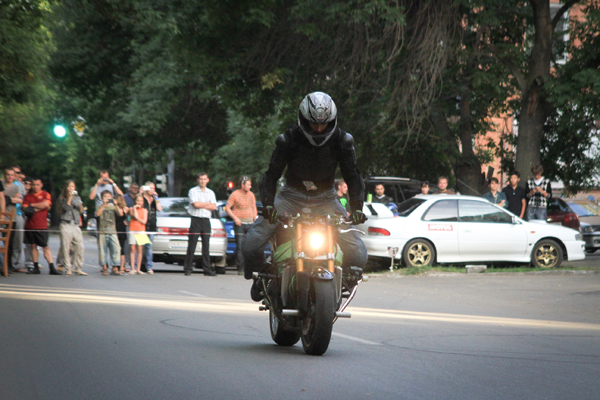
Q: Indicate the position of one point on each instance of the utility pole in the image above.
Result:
(171, 173)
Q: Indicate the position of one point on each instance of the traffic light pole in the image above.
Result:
(171, 173)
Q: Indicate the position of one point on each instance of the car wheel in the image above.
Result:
(546, 254)
(590, 251)
(418, 253)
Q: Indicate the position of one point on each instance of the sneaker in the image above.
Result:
(150, 272)
(256, 292)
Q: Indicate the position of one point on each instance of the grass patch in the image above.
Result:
(491, 268)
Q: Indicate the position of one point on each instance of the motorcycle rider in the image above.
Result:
(311, 151)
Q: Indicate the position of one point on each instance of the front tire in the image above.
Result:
(318, 324)
(279, 335)
(546, 254)
(418, 253)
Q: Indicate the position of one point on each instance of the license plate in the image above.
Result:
(178, 244)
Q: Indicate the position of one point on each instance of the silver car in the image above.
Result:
(171, 242)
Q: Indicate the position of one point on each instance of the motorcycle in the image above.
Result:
(304, 287)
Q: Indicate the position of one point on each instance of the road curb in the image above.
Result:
(395, 275)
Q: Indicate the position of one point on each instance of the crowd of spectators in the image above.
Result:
(126, 223)
(117, 215)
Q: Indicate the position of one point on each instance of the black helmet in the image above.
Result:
(319, 108)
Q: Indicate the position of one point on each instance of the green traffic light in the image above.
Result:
(60, 131)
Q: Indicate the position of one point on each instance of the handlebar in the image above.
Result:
(335, 219)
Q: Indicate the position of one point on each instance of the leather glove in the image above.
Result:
(358, 217)
(270, 214)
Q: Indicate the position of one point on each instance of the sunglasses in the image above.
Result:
(245, 179)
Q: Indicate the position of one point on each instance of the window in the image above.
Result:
(443, 211)
(407, 207)
(174, 207)
(478, 211)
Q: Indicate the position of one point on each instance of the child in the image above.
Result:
(139, 216)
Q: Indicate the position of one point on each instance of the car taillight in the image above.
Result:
(378, 232)
(571, 217)
(218, 233)
(173, 231)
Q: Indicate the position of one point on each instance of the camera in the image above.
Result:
(111, 201)
(74, 192)
(106, 180)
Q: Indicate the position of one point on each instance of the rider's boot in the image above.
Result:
(352, 276)
(256, 293)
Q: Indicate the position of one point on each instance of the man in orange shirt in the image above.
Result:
(241, 207)
(36, 228)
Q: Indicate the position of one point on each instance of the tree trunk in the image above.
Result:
(469, 179)
(534, 107)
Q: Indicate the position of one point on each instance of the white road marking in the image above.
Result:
(191, 294)
(359, 340)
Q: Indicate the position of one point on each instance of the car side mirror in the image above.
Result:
(514, 219)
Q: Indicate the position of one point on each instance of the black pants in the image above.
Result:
(199, 227)
(240, 234)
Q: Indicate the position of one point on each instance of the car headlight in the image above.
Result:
(316, 241)
(588, 229)
(577, 236)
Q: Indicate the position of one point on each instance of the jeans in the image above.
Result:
(199, 227)
(109, 250)
(148, 251)
(536, 213)
(240, 234)
(292, 201)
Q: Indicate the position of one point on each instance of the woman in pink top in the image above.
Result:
(139, 216)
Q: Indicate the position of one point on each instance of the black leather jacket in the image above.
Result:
(307, 163)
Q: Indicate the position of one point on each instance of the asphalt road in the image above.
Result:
(169, 336)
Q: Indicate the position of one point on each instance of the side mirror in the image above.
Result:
(515, 220)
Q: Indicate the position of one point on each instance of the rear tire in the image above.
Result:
(318, 324)
(546, 254)
(280, 336)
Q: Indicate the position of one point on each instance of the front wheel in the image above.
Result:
(547, 254)
(318, 324)
(418, 253)
(279, 335)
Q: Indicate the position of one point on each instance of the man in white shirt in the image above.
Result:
(202, 203)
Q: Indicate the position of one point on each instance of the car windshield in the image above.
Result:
(581, 210)
(407, 207)
(174, 207)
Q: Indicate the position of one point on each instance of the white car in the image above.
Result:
(460, 229)
(171, 242)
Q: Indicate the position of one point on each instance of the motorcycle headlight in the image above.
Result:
(316, 241)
